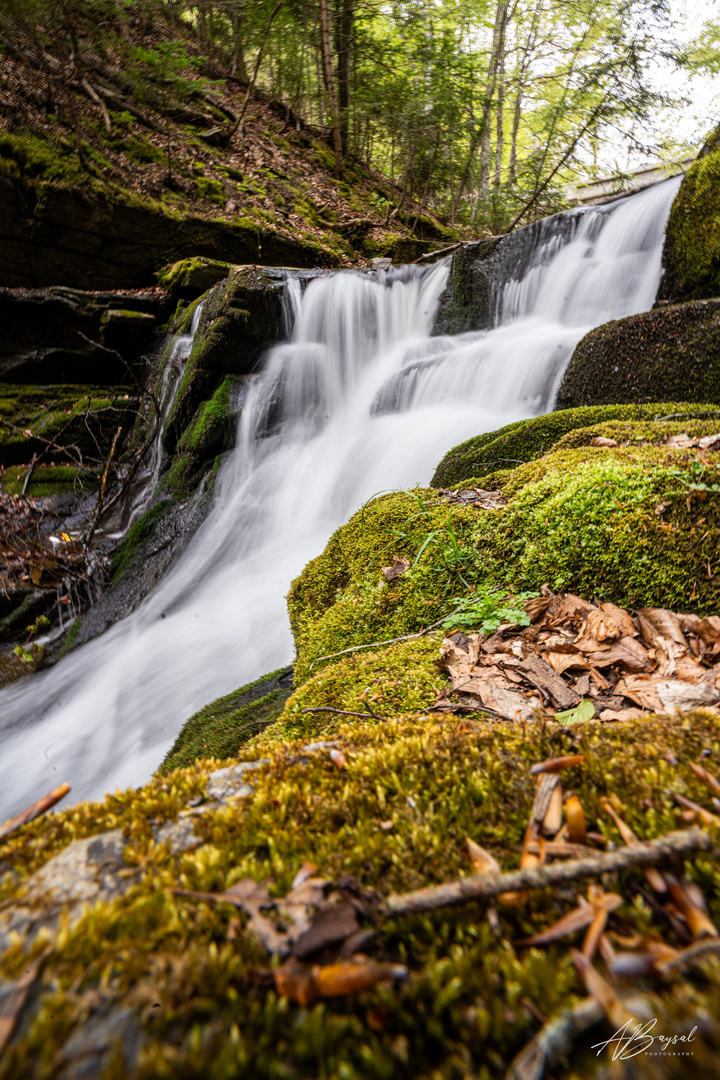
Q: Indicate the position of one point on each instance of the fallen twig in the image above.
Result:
(390, 641)
(699, 950)
(443, 251)
(101, 493)
(554, 1040)
(344, 712)
(14, 1002)
(689, 416)
(486, 886)
(35, 810)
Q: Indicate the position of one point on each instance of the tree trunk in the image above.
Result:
(344, 68)
(327, 58)
(238, 61)
(498, 46)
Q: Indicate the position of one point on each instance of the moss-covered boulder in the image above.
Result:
(140, 980)
(190, 278)
(517, 443)
(223, 727)
(691, 255)
(635, 523)
(671, 353)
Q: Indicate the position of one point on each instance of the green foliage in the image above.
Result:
(580, 714)
(486, 609)
(27, 652)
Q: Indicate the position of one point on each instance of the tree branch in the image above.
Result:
(486, 886)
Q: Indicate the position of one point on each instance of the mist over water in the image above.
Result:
(359, 399)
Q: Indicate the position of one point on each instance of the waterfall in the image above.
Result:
(360, 398)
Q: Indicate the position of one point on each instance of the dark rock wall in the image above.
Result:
(479, 271)
(51, 236)
(669, 354)
(60, 335)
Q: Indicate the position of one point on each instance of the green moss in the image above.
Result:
(46, 480)
(464, 1010)
(195, 274)
(139, 149)
(691, 257)
(137, 535)
(85, 416)
(211, 430)
(342, 598)
(526, 439)
(394, 681)
(223, 727)
(70, 638)
(212, 190)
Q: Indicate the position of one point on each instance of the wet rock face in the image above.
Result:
(242, 317)
(479, 271)
(45, 331)
(671, 353)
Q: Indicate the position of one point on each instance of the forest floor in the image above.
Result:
(92, 129)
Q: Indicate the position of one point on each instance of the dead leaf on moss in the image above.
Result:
(482, 861)
(399, 566)
(304, 983)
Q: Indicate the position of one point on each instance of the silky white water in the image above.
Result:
(359, 399)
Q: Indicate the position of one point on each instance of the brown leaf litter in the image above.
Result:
(582, 660)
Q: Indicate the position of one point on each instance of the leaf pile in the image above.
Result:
(577, 661)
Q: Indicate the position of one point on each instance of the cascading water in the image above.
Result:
(360, 399)
(139, 496)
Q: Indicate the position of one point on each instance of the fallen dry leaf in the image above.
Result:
(575, 818)
(554, 814)
(304, 983)
(608, 623)
(552, 765)
(399, 566)
(482, 861)
(338, 758)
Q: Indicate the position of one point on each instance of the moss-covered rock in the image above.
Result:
(241, 318)
(223, 727)
(691, 256)
(192, 277)
(637, 525)
(84, 416)
(485, 455)
(671, 352)
(209, 434)
(146, 983)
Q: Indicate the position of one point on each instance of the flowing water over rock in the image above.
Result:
(360, 399)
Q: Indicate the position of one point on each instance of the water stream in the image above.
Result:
(361, 398)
